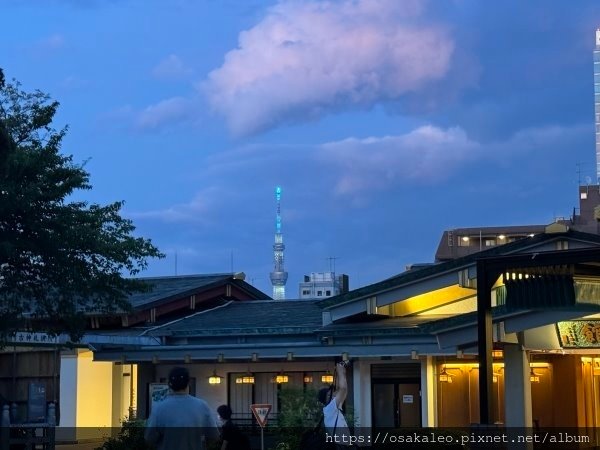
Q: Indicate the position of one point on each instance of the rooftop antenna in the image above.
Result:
(331, 260)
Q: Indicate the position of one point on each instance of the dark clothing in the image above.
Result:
(236, 440)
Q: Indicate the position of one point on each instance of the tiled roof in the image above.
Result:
(167, 288)
(248, 317)
(412, 325)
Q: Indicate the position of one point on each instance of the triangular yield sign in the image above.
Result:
(261, 412)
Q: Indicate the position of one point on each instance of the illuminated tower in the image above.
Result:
(279, 275)
(597, 101)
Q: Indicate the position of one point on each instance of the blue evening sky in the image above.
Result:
(384, 121)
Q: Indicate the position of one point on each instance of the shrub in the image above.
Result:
(130, 437)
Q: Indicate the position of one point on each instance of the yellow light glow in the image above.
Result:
(431, 300)
(534, 377)
(281, 378)
(308, 379)
(245, 379)
(501, 237)
(465, 238)
(445, 377)
(327, 378)
(497, 354)
(215, 379)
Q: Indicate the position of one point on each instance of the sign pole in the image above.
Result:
(261, 412)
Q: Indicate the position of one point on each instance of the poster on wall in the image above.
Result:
(158, 392)
(36, 402)
(579, 333)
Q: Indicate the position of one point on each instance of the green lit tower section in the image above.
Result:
(597, 101)
(279, 275)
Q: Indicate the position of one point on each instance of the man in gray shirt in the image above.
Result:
(180, 421)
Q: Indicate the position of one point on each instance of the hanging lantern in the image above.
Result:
(327, 378)
(281, 378)
(445, 377)
(247, 378)
(534, 377)
(214, 378)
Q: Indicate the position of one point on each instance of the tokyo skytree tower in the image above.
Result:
(279, 275)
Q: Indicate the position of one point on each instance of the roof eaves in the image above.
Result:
(151, 330)
(180, 294)
(447, 266)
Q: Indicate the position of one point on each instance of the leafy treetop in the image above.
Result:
(60, 259)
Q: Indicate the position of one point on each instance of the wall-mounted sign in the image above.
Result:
(158, 392)
(579, 333)
(36, 402)
(22, 337)
(407, 399)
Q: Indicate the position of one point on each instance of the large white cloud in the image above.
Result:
(309, 58)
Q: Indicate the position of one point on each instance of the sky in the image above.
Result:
(385, 122)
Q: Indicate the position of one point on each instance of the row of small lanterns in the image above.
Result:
(280, 378)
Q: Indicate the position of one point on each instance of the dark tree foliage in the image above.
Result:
(60, 259)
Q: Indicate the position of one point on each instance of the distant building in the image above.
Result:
(460, 242)
(597, 101)
(323, 285)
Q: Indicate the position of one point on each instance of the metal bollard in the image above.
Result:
(5, 428)
(5, 416)
(14, 411)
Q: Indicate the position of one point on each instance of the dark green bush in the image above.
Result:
(130, 437)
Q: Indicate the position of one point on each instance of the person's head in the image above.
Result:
(224, 412)
(324, 395)
(179, 378)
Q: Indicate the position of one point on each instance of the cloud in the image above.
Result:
(195, 211)
(171, 68)
(426, 155)
(308, 59)
(166, 112)
(357, 170)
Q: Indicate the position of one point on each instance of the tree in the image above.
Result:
(59, 258)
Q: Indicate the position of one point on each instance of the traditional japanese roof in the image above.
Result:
(178, 296)
(247, 318)
(412, 276)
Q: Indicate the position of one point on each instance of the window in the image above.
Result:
(305, 291)
(464, 241)
(490, 242)
(562, 245)
(319, 293)
(327, 293)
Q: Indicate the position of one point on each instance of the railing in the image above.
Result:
(27, 436)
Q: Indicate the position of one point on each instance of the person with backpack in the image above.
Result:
(231, 436)
(333, 400)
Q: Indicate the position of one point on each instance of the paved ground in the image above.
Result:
(82, 446)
